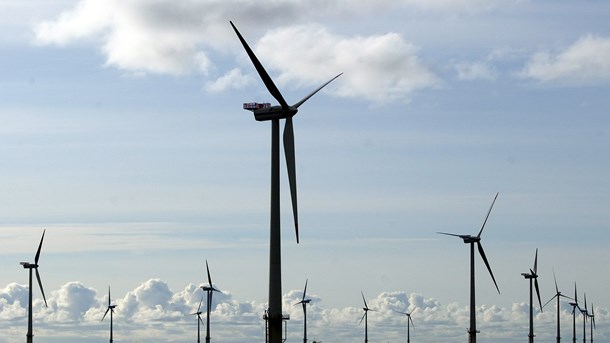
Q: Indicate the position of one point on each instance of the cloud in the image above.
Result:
(379, 68)
(587, 61)
(475, 71)
(165, 38)
(153, 310)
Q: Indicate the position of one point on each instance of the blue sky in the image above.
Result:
(123, 136)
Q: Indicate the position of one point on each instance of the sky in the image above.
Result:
(123, 136)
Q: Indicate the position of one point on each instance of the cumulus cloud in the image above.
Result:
(377, 68)
(153, 311)
(587, 61)
(166, 37)
(475, 71)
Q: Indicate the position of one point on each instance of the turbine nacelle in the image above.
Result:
(274, 112)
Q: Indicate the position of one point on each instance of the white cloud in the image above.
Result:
(587, 61)
(166, 38)
(475, 71)
(376, 68)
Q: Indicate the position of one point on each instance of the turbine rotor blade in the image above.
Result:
(538, 293)
(271, 87)
(314, 92)
(41, 289)
(304, 290)
(449, 234)
(554, 278)
(487, 216)
(365, 305)
(536, 263)
(361, 319)
(554, 296)
(292, 173)
(200, 302)
(108, 296)
(209, 277)
(39, 247)
(108, 309)
(411, 321)
(482, 253)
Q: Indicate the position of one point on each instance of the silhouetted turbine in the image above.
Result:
(209, 289)
(365, 317)
(557, 295)
(304, 302)
(275, 113)
(533, 276)
(408, 320)
(30, 266)
(110, 309)
(584, 313)
(468, 239)
(592, 316)
(574, 305)
(199, 321)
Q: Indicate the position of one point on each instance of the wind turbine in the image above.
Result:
(111, 310)
(365, 317)
(532, 275)
(274, 114)
(408, 314)
(304, 302)
(209, 289)
(574, 305)
(557, 295)
(30, 266)
(584, 313)
(468, 239)
(199, 321)
(592, 316)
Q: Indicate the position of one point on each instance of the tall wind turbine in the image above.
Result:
(304, 302)
(199, 321)
(557, 295)
(365, 316)
(111, 310)
(574, 305)
(533, 277)
(408, 314)
(592, 316)
(274, 114)
(584, 313)
(468, 239)
(30, 266)
(209, 289)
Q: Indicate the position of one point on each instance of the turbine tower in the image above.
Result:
(533, 277)
(408, 314)
(209, 289)
(365, 317)
(30, 266)
(199, 321)
(557, 295)
(304, 302)
(274, 114)
(111, 310)
(574, 305)
(468, 239)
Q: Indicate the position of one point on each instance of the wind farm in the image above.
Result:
(133, 137)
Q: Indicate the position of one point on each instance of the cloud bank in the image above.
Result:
(154, 311)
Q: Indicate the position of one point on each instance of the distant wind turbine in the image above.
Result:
(533, 277)
(365, 317)
(592, 316)
(274, 114)
(304, 302)
(30, 266)
(110, 309)
(557, 295)
(408, 314)
(468, 239)
(209, 289)
(199, 321)
(584, 313)
(574, 305)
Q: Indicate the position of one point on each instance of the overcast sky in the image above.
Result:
(123, 135)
